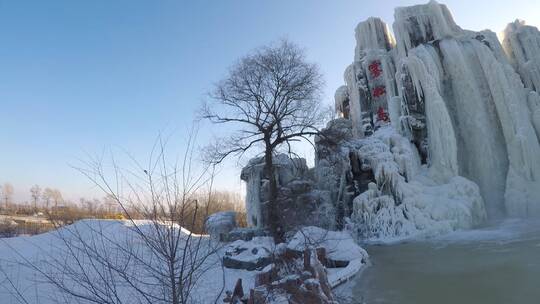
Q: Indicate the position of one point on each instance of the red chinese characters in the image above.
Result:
(382, 115)
(379, 91)
(375, 69)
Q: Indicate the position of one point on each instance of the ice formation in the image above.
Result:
(382, 187)
(253, 174)
(522, 42)
(220, 223)
(438, 128)
(468, 105)
(407, 200)
(299, 202)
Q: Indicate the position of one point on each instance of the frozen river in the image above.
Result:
(493, 265)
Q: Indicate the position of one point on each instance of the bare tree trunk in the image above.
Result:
(273, 212)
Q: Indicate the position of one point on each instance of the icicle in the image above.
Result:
(442, 143)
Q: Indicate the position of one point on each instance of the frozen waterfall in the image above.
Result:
(438, 130)
(467, 102)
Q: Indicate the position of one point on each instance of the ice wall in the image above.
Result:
(522, 44)
(467, 102)
(495, 138)
(424, 71)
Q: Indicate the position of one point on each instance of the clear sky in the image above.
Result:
(78, 77)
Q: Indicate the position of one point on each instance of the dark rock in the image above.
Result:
(244, 234)
(256, 264)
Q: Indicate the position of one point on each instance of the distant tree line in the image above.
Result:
(48, 203)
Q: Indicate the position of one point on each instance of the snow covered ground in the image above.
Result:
(49, 251)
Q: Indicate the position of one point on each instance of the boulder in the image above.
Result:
(244, 234)
(220, 223)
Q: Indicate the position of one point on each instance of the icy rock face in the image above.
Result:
(405, 177)
(342, 102)
(407, 200)
(370, 78)
(522, 44)
(299, 202)
(286, 169)
(252, 174)
(378, 182)
(419, 24)
(458, 99)
(372, 34)
(425, 113)
(466, 125)
(534, 105)
(439, 129)
(335, 171)
(479, 98)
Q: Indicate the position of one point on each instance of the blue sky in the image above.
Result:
(80, 77)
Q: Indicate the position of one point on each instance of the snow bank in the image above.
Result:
(49, 249)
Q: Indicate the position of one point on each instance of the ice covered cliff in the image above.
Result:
(467, 104)
(382, 192)
(438, 128)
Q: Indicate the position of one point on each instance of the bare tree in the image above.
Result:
(47, 197)
(90, 206)
(35, 193)
(109, 203)
(155, 260)
(7, 194)
(52, 196)
(273, 98)
(57, 197)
